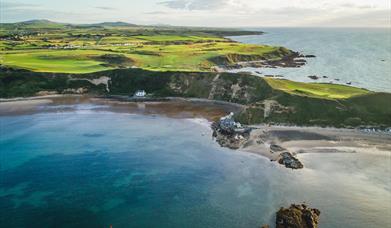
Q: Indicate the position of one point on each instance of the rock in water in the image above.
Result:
(314, 77)
(289, 161)
(297, 216)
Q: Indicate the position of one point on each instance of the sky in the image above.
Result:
(213, 13)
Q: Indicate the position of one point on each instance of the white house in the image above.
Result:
(140, 93)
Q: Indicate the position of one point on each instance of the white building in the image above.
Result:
(140, 93)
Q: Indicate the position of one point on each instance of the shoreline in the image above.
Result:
(170, 106)
(316, 140)
(162, 100)
(126, 100)
(297, 140)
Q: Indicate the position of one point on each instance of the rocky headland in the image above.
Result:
(229, 133)
(233, 135)
(283, 58)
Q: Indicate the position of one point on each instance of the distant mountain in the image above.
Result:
(36, 22)
(114, 24)
(43, 23)
(33, 24)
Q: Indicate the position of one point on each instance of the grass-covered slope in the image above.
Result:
(44, 46)
(264, 104)
(316, 90)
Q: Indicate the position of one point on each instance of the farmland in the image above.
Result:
(44, 46)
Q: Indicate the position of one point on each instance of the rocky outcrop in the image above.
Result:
(314, 77)
(280, 57)
(297, 216)
(287, 159)
(75, 91)
(230, 134)
(309, 56)
(104, 80)
(46, 93)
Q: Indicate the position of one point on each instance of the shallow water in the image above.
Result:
(360, 56)
(90, 168)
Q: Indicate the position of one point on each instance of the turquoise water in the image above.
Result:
(90, 168)
(359, 56)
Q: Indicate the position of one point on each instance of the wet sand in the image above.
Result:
(174, 108)
(300, 140)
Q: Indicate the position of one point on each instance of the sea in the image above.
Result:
(357, 56)
(86, 166)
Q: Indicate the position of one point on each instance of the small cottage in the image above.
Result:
(140, 93)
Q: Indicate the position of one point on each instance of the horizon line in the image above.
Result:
(198, 26)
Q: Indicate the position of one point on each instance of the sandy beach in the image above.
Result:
(171, 107)
(300, 140)
(296, 140)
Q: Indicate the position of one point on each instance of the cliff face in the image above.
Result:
(263, 103)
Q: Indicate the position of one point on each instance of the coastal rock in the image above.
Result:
(292, 60)
(46, 93)
(229, 133)
(289, 161)
(314, 77)
(75, 91)
(306, 56)
(297, 216)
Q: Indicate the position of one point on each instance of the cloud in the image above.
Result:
(355, 6)
(195, 4)
(105, 8)
(157, 12)
(378, 17)
(16, 5)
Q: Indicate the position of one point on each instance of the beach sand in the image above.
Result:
(174, 108)
(300, 140)
(297, 140)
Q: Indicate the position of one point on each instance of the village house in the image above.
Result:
(140, 93)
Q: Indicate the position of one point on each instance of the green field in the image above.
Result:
(75, 61)
(44, 46)
(316, 90)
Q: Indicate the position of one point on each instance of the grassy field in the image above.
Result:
(64, 61)
(44, 46)
(316, 90)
